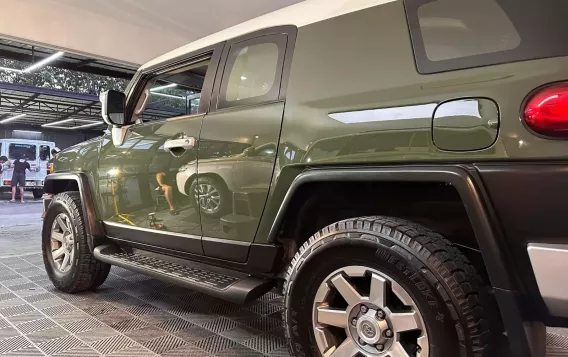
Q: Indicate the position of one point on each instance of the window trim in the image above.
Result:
(288, 47)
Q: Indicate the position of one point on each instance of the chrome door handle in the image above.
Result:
(182, 143)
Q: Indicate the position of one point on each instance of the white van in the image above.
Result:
(38, 154)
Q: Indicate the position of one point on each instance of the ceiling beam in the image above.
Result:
(22, 104)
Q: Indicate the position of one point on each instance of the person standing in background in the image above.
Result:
(4, 164)
(19, 177)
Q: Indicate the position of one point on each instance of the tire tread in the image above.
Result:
(463, 284)
(91, 272)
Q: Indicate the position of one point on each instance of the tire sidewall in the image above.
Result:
(383, 254)
(60, 280)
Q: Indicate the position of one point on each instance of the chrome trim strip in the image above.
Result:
(121, 225)
(550, 264)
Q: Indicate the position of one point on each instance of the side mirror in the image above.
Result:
(113, 107)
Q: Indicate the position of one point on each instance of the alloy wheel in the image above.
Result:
(62, 242)
(361, 311)
(208, 197)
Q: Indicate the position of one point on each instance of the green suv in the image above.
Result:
(398, 168)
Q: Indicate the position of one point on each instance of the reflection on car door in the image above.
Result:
(141, 199)
(247, 110)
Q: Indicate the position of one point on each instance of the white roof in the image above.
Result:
(301, 14)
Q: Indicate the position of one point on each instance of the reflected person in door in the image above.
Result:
(161, 178)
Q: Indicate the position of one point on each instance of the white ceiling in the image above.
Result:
(132, 31)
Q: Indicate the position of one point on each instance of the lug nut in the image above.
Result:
(364, 309)
(354, 322)
(388, 333)
(380, 348)
(361, 342)
(381, 315)
(418, 349)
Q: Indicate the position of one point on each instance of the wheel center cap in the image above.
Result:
(369, 329)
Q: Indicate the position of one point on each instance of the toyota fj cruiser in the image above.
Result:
(400, 167)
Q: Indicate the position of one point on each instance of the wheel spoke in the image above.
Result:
(378, 294)
(69, 238)
(398, 351)
(346, 290)
(58, 253)
(57, 236)
(65, 261)
(62, 224)
(346, 349)
(332, 317)
(404, 321)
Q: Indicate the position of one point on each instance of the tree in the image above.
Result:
(59, 78)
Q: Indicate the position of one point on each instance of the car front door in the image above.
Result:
(143, 196)
(246, 111)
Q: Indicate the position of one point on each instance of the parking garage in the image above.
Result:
(50, 99)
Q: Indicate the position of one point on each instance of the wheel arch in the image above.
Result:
(77, 181)
(212, 175)
(476, 202)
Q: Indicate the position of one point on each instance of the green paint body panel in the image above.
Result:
(346, 75)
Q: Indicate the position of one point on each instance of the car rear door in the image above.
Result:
(246, 109)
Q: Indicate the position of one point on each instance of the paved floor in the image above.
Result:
(131, 314)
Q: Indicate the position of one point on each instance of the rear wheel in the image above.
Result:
(37, 193)
(378, 286)
(68, 261)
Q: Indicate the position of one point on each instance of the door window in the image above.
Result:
(252, 71)
(176, 93)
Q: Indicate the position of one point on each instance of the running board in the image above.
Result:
(222, 283)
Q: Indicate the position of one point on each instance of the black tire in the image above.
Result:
(37, 193)
(86, 272)
(457, 309)
(225, 200)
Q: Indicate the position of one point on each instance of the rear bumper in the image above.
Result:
(530, 201)
(31, 187)
(550, 265)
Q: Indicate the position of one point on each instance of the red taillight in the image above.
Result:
(546, 112)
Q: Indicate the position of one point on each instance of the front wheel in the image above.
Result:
(378, 286)
(37, 193)
(68, 261)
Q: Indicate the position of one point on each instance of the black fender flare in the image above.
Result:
(59, 182)
(485, 225)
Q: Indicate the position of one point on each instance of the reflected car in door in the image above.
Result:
(223, 174)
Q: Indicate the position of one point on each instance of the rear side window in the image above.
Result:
(22, 151)
(457, 34)
(253, 71)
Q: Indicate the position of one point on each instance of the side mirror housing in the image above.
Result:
(113, 107)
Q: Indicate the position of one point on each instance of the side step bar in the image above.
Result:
(222, 283)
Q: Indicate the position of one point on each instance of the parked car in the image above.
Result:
(408, 196)
(37, 153)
